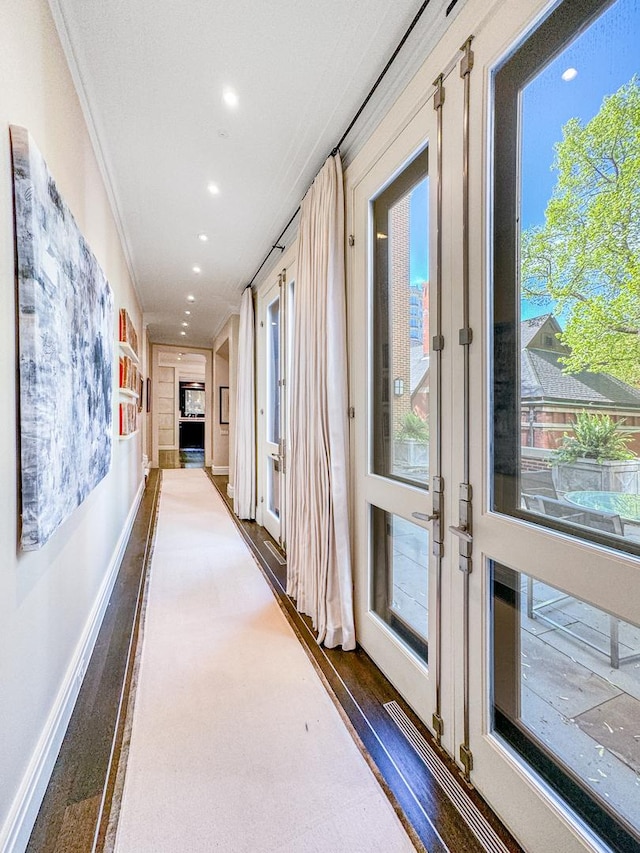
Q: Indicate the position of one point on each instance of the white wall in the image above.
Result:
(50, 599)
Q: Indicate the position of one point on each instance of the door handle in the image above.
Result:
(461, 533)
(423, 516)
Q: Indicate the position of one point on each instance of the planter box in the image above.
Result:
(589, 475)
(411, 457)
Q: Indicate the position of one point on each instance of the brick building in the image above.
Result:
(551, 398)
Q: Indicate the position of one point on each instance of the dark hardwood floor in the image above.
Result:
(68, 817)
(77, 803)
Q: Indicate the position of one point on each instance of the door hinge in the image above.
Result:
(352, 240)
(466, 757)
(351, 412)
(438, 726)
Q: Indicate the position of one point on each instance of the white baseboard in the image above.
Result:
(220, 469)
(14, 835)
(230, 490)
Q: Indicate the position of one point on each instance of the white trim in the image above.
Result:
(220, 469)
(17, 828)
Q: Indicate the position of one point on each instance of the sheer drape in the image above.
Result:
(318, 554)
(244, 493)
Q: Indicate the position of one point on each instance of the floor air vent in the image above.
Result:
(468, 810)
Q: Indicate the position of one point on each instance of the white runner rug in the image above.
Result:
(236, 745)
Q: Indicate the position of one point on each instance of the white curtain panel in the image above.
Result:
(319, 574)
(244, 487)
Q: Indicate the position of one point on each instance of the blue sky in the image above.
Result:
(606, 57)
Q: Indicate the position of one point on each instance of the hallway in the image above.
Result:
(177, 712)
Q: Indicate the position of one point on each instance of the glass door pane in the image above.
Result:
(573, 374)
(400, 578)
(567, 697)
(401, 327)
(273, 382)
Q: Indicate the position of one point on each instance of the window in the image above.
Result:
(566, 252)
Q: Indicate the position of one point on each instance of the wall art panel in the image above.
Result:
(66, 342)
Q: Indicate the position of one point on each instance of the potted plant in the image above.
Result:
(595, 457)
(411, 446)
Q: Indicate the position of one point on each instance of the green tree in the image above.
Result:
(586, 257)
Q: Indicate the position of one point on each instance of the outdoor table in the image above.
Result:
(627, 506)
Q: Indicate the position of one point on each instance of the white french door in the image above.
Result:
(525, 663)
(395, 396)
(274, 347)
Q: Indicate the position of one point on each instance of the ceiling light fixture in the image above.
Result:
(230, 98)
(191, 298)
(569, 74)
(183, 333)
(197, 270)
(187, 313)
(203, 238)
(184, 323)
(214, 189)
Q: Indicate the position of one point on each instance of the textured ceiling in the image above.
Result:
(151, 77)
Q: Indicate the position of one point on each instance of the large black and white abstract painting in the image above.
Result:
(65, 327)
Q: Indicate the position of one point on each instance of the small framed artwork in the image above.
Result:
(224, 404)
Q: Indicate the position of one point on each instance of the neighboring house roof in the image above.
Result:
(419, 366)
(530, 328)
(542, 374)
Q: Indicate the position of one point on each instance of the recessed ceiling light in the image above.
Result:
(191, 298)
(223, 134)
(197, 270)
(214, 189)
(183, 333)
(179, 358)
(569, 74)
(203, 238)
(184, 323)
(187, 313)
(230, 98)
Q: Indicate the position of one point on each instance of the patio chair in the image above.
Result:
(607, 522)
(538, 483)
(612, 650)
